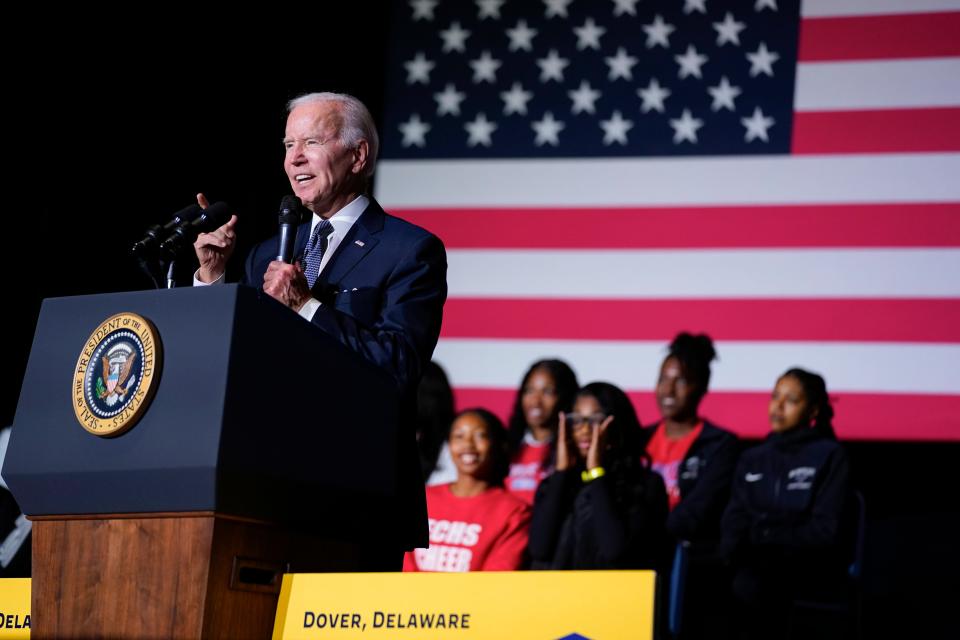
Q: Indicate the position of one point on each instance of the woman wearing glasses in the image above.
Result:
(603, 508)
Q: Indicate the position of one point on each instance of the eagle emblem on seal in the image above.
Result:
(115, 378)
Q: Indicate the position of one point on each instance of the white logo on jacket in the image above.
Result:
(691, 468)
(801, 478)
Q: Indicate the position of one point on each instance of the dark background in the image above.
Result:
(117, 121)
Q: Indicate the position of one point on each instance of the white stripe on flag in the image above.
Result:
(743, 366)
(725, 273)
(825, 8)
(639, 182)
(887, 84)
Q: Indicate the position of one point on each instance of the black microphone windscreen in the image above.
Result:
(216, 215)
(187, 214)
(290, 210)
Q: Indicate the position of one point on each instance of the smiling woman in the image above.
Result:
(694, 456)
(475, 524)
(547, 390)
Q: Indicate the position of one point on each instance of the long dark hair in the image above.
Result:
(815, 388)
(434, 415)
(499, 450)
(624, 457)
(566, 382)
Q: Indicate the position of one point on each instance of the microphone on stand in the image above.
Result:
(155, 234)
(184, 235)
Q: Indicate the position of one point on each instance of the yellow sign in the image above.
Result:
(116, 374)
(552, 605)
(14, 608)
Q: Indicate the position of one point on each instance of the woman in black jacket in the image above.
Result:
(695, 457)
(782, 531)
(602, 508)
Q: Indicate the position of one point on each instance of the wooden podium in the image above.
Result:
(243, 467)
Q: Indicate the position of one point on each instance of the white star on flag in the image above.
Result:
(454, 38)
(479, 130)
(690, 63)
(761, 61)
(448, 100)
(689, 6)
(728, 30)
(521, 37)
(653, 96)
(515, 100)
(489, 9)
(414, 131)
(547, 130)
(723, 95)
(418, 69)
(622, 7)
(658, 32)
(615, 129)
(551, 67)
(685, 127)
(770, 4)
(556, 8)
(757, 126)
(621, 65)
(588, 36)
(423, 9)
(485, 68)
(584, 98)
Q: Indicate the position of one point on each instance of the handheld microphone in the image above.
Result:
(156, 233)
(184, 235)
(289, 219)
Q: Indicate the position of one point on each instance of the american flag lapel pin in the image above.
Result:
(359, 243)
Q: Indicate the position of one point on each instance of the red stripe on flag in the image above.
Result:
(888, 320)
(879, 131)
(919, 35)
(860, 416)
(854, 225)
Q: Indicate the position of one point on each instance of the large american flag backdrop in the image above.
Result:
(606, 173)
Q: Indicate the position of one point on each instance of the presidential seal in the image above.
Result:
(116, 374)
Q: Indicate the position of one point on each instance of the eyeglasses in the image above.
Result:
(576, 419)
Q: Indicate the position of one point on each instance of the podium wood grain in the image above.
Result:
(174, 576)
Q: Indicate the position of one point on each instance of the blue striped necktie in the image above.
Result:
(315, 249)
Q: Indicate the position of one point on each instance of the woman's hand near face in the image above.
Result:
(564, 460)
(596, 443)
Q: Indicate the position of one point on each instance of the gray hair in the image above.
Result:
(357, 122)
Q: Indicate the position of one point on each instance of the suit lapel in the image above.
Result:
(356, 245)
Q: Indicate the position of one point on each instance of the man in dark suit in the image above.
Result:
(372, 281)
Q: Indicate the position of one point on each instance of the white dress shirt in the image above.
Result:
(342, 221)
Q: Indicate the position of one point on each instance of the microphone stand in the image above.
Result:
(148, 269)
(171, 281)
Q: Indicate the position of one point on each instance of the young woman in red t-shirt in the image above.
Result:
(547, 390)
(695, 458)
(475, 524)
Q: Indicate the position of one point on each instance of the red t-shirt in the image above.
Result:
(526, 470)
(667, 454)
(487, 532)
